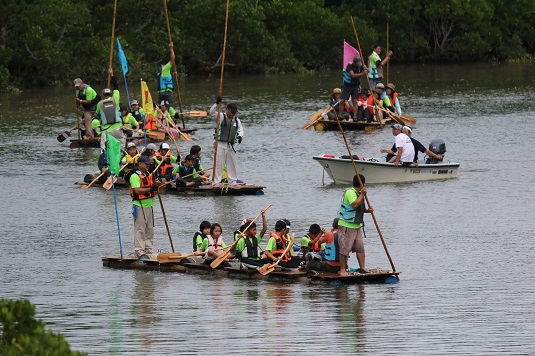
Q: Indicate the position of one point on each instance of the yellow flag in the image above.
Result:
(146, 99)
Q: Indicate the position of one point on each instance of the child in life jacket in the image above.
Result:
(310, 248)
(247, 248)
(131, 152)
(201, 235)
(363, 112)
(277, 244)
(213, 245)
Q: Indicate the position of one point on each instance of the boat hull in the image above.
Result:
(377, 171)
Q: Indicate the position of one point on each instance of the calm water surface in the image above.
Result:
(465, 247)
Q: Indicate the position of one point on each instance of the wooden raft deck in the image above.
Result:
(194, 266)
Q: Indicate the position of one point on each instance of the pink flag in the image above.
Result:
(349, 54)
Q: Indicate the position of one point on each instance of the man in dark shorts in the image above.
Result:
(351, 84)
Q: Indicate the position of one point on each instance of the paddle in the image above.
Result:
(221, 258)
(167, 155)
(85, 186)
(317, 117)
(401, 119)
(62, 137)
(216, 143)
(182, 134)
(186, 176)
(196, 113)
(108, 183)
(270, 267)
(175, 257)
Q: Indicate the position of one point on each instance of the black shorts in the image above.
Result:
(350, 91)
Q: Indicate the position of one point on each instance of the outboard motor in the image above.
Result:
(438, 147)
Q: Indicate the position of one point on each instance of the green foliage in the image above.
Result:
(43, 42)
(22, 334)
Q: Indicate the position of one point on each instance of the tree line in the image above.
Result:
(50, 42)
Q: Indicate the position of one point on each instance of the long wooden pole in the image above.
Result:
(171, 46)
(165, 221)
(112, 38)
(366, 196)
(387, 63)
(220, 92)
(367, 78)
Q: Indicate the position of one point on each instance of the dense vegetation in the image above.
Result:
(45, 42)
(22, 334)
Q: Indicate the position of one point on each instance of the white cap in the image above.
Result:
(131, 144)
(408, 128)
(164, 146)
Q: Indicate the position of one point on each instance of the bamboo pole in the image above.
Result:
(112, 38)
(172, 48)
(220, 91)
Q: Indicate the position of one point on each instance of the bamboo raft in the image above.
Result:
(138, 140)
(330, 125)
(203, 190)
(194, 265)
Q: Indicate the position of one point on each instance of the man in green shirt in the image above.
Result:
(108, 111)
(375, 65)
(350, 217)
(142, 191)
(87, 98)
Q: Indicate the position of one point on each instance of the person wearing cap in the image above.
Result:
(165, 172)
(335, 103)
(350, 218)
(164, 120)
(130, 124)
(418, 147)
(276, 246)
(247, 248)
(108, 111)
(230, 132)
(130, 157)
(403, 146)
(331, 257)
(364, 111)
(383, 98)
(143, 188)
(376, 65)
(393, 96)
(87, 98)
(137, 112)
(351, 83)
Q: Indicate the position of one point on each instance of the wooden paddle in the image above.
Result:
(221, 258)
(85, 186)
(112, 38)
(175, 256)
(108, 183)
(184, 136)
(62, 137)
(270, 267)
(186, 176)
(400, 119)
(196, 113)
(317, 117)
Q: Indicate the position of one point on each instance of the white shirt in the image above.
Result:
(402, 140)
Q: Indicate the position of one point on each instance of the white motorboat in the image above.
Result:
(377, 170)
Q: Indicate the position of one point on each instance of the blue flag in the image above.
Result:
(122, 58)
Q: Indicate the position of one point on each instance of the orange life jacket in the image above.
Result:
(150, 122)
(393, 99)
(146, 182)
(164, 166)
(280, 247)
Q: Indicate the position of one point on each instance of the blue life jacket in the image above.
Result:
(331, 250)
(165, 83)
(349, 213)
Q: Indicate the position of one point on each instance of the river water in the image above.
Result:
(464, 247)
